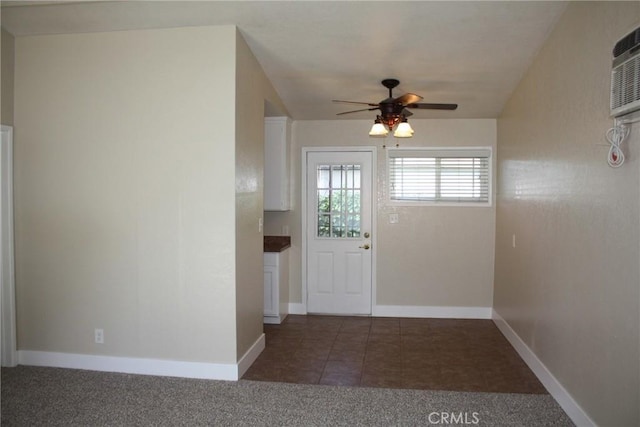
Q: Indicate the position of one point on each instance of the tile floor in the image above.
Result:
(429, 354)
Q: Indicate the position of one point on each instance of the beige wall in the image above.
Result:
(419, 260)
(252, 89)
(6, 87)
(124, 210)
(570, 287)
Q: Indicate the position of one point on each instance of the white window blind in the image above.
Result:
(440, 175)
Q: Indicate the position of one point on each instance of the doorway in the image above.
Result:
(338, 230)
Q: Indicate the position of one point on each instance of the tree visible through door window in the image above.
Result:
(338, 201)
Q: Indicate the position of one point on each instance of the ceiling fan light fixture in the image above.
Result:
(403, 130)
(394, 111)
(378, 129)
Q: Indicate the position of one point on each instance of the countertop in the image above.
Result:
(276, 243)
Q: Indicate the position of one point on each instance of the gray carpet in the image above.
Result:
(49, 396)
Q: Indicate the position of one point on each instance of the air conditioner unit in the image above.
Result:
(625, 75)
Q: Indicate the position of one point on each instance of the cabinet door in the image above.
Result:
(276, 164)
(271, 303)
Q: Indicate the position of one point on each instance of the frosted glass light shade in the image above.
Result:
(378, 129)
(403, 130)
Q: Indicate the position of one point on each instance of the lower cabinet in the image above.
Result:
(276, 286)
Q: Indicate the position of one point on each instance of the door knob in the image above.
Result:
(365, 246)
(367, 235)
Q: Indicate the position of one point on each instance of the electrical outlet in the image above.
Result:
(393, 218)
(99, 336)
(260, 223)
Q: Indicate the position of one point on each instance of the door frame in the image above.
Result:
(8, 350)
(374, 213)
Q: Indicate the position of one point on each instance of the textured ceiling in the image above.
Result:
(470, 53)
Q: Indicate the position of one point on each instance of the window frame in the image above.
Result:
(435, 152)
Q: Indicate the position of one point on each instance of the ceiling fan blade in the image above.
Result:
(433, 106)
(355, 111)
(355, 102)
(408, 98)
(407, 113)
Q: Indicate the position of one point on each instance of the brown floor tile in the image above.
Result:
(294, 318)
(431, 354)
(382, 370)
(305, 364)
(391, 358)
(386, 326)
(360, 338)
(343, 367)
(462, 378)
(318, 353)
(349, 345)
(282, 341)
(420, 360)
(390, 346)
(423, 380)
(325, 321)
(355, 327)
(414, 327)
(300, 377)
(316, 343)
(347, 355)
(383, 339)
(420, 343)
(275, 355)
(340, 379)
(320, 334)
(381, 381)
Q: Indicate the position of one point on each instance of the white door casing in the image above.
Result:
(8, 349)
(338, 230)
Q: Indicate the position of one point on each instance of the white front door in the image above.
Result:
(339, 221)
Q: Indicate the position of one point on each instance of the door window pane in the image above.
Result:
(324, 203)
(324, 225)
(338, 201)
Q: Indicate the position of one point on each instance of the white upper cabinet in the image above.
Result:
(277, 137)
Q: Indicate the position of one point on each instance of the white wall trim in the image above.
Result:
(555, 388)
(129, 365)
(250, 356)
(415, 311)
(132, 365)
(442, 312)
(297, 308)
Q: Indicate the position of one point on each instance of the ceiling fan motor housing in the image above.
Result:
(395, 110)
(390, 84)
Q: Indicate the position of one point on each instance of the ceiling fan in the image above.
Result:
(395, 110)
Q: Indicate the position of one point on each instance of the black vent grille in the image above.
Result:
(627, 43)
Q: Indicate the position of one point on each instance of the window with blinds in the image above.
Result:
(440, 175)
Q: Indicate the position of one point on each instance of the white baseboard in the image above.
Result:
(250, 356)
(432, 311)
(297, 308)
(131, 365)
(555, 388)
(274, 320)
